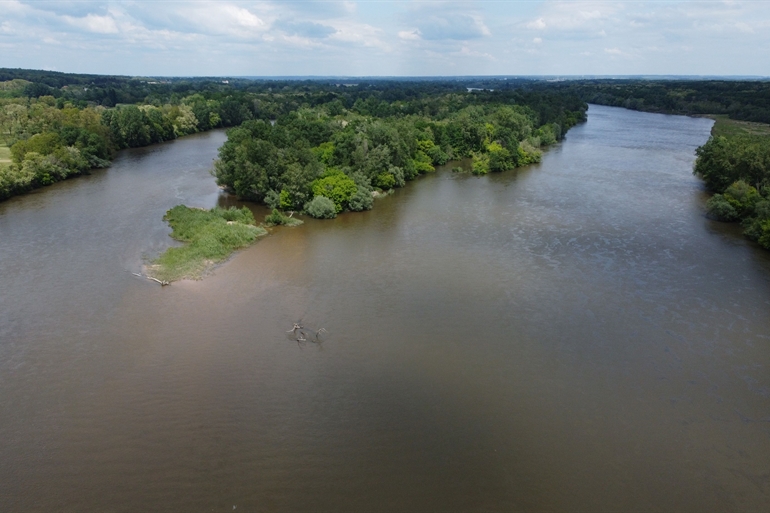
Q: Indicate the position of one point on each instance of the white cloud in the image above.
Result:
(538, 24)
(243, 17)
(409, 35)
(304, 28)
(465, 51)
(94, 23)
(359, 33)
(345, 37)
(458, 26)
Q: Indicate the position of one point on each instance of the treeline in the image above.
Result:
(58, 125)
(737, 170)
(50, 141)
(741, 100)
(330, 158)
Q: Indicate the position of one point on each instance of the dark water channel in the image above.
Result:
(575, 336)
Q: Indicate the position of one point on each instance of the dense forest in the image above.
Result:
(742, 100)
(377, 133)
(737, 170)
(327, 145)
(327, 159)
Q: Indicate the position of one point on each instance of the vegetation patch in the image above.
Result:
(331, 157)
(737, 170)
(726, 127)
(278, 218)
(211, 237)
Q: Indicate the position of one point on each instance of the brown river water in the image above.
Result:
(573, 336)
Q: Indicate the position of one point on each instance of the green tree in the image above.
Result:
(336, 186)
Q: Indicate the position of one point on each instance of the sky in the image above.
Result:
(387, 38)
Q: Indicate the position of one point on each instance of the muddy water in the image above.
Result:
(572, 336)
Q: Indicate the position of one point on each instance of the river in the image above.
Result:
(573, 336)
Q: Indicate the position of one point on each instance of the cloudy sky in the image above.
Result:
(370, 37)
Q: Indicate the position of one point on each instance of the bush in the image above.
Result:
(361, 200)
(384, 181)
(423, 163)
(10, 181)
(232, 214)
(527, 153)
(480, 164)
(720, 209)
(758, 228)
(742, 197)
(500, 159)
(321, 207)
(336, 186)
(276, 218)
(272, 199)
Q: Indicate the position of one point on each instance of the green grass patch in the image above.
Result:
(5, 154)
(211, 237)
(727, 127)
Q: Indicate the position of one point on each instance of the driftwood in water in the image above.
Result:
(163, 283)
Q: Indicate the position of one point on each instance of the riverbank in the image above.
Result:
(734, 165)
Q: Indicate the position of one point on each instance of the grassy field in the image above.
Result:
(730, 127)
(211, 237)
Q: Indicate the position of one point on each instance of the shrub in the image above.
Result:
(384, 181)
(242, 215)
(758, 227)
(276, 218)
(423, 163)
(284, 199)
(398, 174)
(336, 186)
(361, 200)
(321, 207)
(480, 164)
(272, 199)
(720, 209)
(742, 197)
(527, 153)
(500, 159)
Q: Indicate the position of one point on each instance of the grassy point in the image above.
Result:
(727, 127)
(211, 237)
